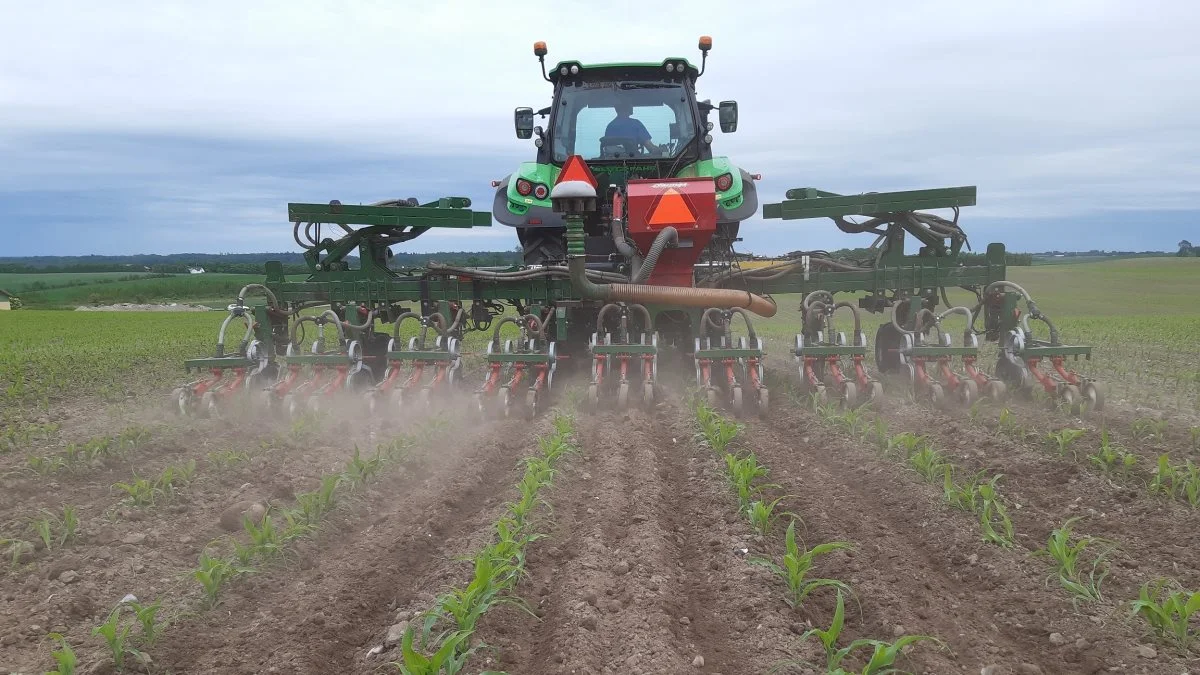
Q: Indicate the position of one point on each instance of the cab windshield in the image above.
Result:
(620, 120)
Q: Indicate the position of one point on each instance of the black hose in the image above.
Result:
(668, 236)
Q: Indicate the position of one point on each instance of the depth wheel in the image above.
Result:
(426, 398)
(996, 390)
(1093, 397)
(849, 397)
(505, 403)
(290, 406)
(737, 400)
(712, 397)
(968, 392)
(623, 395)
(937, 395)
(764, 402)
(875, 392)
(648, 394)
(1071, 398)
(593, 395)
(208, 405)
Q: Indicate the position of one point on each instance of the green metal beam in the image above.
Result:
(813, 203)
(395, 216)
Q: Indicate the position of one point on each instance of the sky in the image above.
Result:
(164, 127)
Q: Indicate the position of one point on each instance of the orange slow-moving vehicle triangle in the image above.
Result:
(576, 169)
(671, 209)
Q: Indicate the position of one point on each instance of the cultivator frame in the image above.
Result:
(665, 277)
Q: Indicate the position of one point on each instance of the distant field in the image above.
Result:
(179, 288)
(19, 283)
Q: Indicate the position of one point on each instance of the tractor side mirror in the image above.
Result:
(727, 113)
(523, 122)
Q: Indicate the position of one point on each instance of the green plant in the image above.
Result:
(762, 515)
(64, 656)
(1194, 435)
(1168, 610)
(908, 443)
(212, 574)
(992, 513)
(224, 459)
(1148, 428)
(140, 492)
(359, 471)
(877, 434)
(797, 563)
(883, 655)
(1112, 457)
(928, 462)
(449, 656)
(742, 472)
(1007, 425)
(264, 537)
(1063, 439)
(68, 525)
(715, 431)
(963, 496)
(147, 618)
(1068, 554)
(116, 637)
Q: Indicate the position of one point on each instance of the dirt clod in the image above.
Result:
(232, 516)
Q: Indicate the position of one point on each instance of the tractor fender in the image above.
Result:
(502, 214)
(749, 205)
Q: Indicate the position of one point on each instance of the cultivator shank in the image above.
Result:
(625, 361)
(423, 371)
(729, 369)
(519, 372)
(832, 367)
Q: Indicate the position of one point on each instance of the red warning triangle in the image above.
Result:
(671, 208)
(576, 169)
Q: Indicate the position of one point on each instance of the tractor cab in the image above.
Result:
(626, 121)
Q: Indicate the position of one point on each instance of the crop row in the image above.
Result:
(441, 639)
(747, 477)
(1080, 563)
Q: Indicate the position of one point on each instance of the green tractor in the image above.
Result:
(627, 121)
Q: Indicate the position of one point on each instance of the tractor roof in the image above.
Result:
(608, 68)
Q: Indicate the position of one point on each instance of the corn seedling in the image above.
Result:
(715, 431)
(212, 574)
(963, 495)
(877, 434)
(263, 537)
(883, 655)
(359, 471)
(1112, 457)
(928, 463)
(449, 657)
(139, 492)
(63, 655)
(116, 637)
(741, 473)
(16, 550)
(1148, 428)
(798, 563)
(762, 515)
(45, 465)
(907, 444)
(1068, 554)
(1062, 441)
(992, 513)
(1194, 435)
(1007, 425)
(224, 459)
(1168, 610)
(147, 618)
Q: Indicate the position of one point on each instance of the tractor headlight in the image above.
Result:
(563, 71)
(574, 70)
(724, 182)
(670, 67)
(524, 187)
(540, 191)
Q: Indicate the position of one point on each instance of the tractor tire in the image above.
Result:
(542, 245)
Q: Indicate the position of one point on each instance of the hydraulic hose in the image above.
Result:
(663, 295)
(1033, 312)
(245, 339)
(668, 236)
(618, 236)
(271, 301)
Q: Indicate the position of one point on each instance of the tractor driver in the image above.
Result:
(624, 126)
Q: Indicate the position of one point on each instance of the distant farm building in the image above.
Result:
(196, 270)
